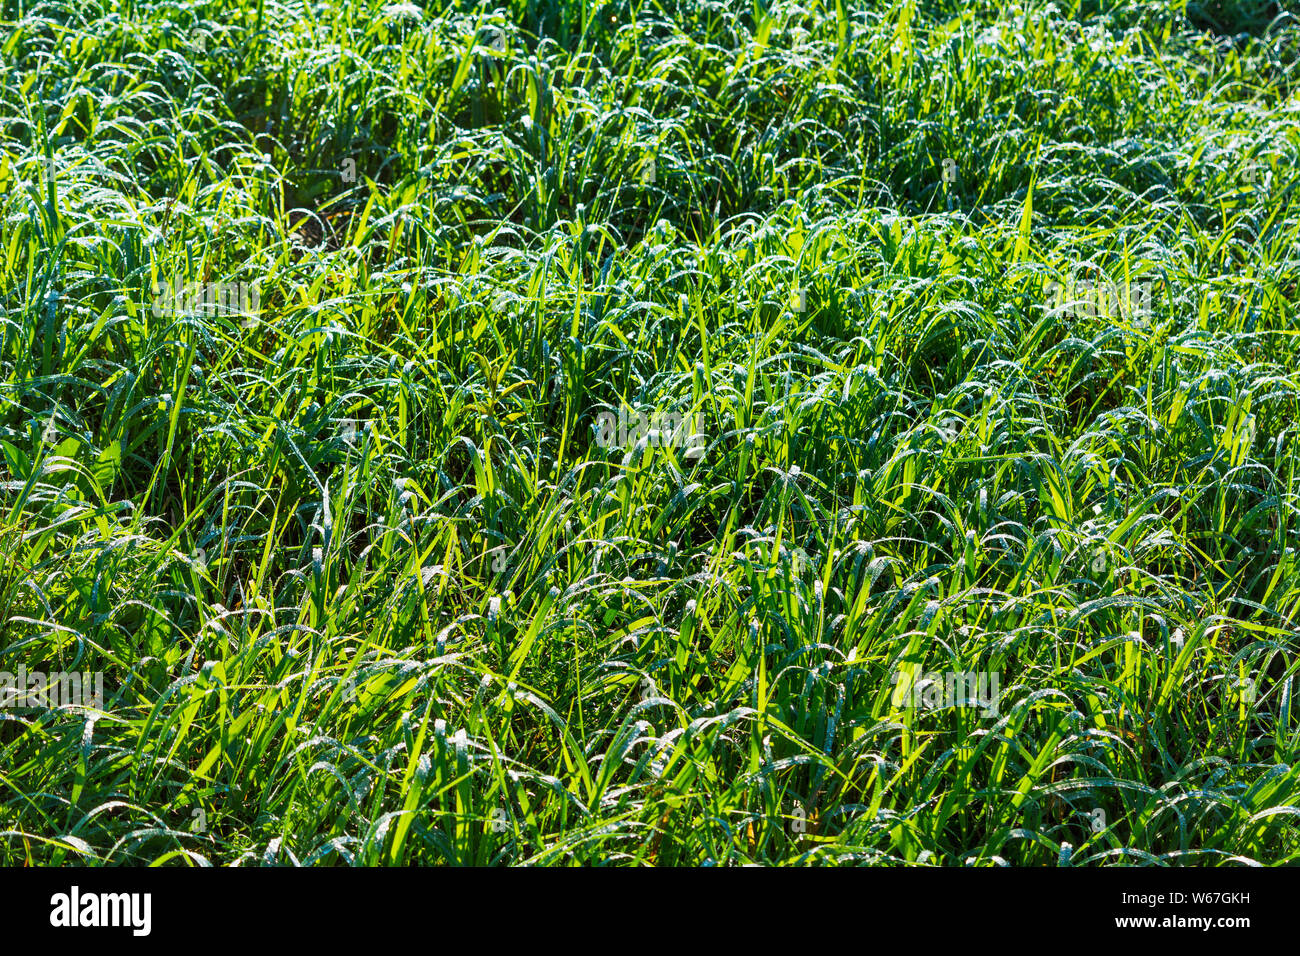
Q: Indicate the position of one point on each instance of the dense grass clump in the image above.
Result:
(962, 526)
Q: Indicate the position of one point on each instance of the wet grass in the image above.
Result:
(367, 586)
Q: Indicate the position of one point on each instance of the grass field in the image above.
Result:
(658, 432)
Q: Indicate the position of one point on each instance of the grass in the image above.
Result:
(364, 586)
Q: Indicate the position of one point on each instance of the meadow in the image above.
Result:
(654, 432)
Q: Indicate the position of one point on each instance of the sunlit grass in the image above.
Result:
(368, 586)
